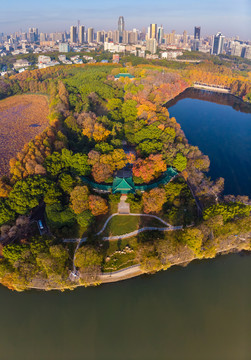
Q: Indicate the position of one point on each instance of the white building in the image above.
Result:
(42, 59)
(111, 47)
(151, 45)
(21, 63)
(171, 54)
(218, 44)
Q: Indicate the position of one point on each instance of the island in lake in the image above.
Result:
(111, 188)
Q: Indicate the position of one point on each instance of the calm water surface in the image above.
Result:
(222, 133)
(201, 312)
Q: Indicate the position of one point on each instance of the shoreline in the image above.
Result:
(135, 270)
(218, 91)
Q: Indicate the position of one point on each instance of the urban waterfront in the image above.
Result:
(198, 312)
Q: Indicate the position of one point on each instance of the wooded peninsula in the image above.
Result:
(112, 184)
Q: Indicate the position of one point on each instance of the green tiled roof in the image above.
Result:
(124, 75)
(125, 185)
(122, 185)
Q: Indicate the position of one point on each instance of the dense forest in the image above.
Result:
(94, 120)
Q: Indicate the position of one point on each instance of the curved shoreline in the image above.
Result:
(135, 270)
(172, 101)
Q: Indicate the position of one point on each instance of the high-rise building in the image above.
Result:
(125, 37)
(64, 47)
(218, 44)
(247, 52)
(151, 45)
(81, 34)
(172, 37)
(236, 49)
(185, 37)
(197, 33)
(43, 37)
(116, 36)
(90, 35)
(100, 36)
(33, 34)
(160, 34)
(73, 34)
(121, 28)
(132, 37)
(153, 31)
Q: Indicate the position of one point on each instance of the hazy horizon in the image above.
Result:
(49, 16)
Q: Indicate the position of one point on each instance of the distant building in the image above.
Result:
(73, 34)
(48, 43)
(90, 35)
(125, 37)
(42, 59)
(197, 33)
(43, 37)
(132, 37)
(160, 34)
(114, 48)
(121, 28)
(171, 54)
(21, 63)
(81, 34)
(64, 47)
(151, 45)
(115, 58)
(218, 43)
(116, 37)
(195, 45)
(236, 49)
(184, 37)
(61, 57)
(100, 37)
(153, 31)
(247, 52)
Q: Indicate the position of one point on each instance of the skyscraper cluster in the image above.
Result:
(140, 43)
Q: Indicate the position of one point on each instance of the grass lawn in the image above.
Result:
(122, 224)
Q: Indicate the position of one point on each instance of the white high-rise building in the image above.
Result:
(218, 44)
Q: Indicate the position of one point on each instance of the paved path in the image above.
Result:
(126, 273)
(117, 214)
(123, 206)
(78, 240)
(133, 233)
(214, 88)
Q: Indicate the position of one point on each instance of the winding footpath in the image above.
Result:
(168, 227)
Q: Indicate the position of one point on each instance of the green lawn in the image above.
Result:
(122, 224)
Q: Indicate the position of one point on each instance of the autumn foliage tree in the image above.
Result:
(153, 200)
(97, 205)
(79, 199)
(149, 168)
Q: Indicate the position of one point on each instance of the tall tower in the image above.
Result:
(197, 33)
(153, 31)
(121, 28)
(160, 34)
(90, 35)
(73, 34)
(185, 37)
(81, 34)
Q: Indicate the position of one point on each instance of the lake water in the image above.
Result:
(222, 130)
(201, 312)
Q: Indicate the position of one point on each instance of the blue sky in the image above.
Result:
(231, 17)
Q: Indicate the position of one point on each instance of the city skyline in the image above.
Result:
(211, 16)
